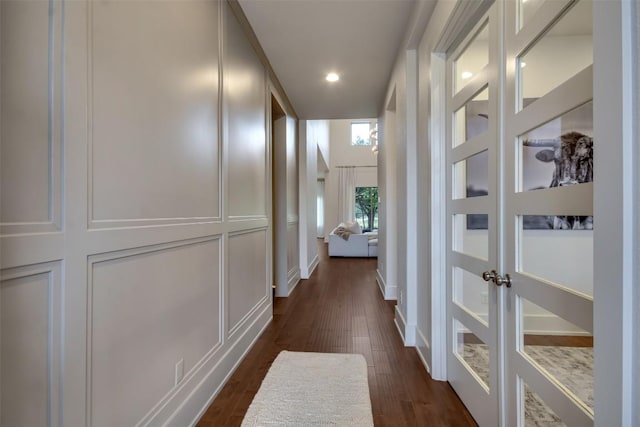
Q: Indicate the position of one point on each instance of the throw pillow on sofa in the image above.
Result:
(354, 227)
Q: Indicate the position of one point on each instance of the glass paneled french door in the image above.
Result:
(520, 242)
(472, 323)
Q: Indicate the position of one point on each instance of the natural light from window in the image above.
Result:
(360, 133)
(366, 208)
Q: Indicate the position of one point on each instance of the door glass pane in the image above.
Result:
(559, 152)
(561, 349)
(536, 413)
(471, 235)
(565, 50)
(472, 293)
(474, 58)
(472, 119)
(472, 351)
(471, 176)
(558, 249)
(526, 9)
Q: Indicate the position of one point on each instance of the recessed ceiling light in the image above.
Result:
(332, 77)
(466, 75)
(523, 64)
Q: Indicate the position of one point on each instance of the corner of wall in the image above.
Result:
(407, 331)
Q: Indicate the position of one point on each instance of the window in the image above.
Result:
(366, 207)
(360, 133)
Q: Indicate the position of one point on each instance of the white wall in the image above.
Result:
(312, 134)
(387, 222)
(135, 267)
(636, 303)
(428, 292)
(293, 225)
(397, 184)
(285, 198)
(324, 147)
(344, 154)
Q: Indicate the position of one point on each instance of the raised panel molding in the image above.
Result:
(149, 308)
(248, 283)
(30, 108)
(146, 167)
(29, 249)
(244, 104)
(218, 372)
(30, 324)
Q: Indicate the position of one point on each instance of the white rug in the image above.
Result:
(313, 389)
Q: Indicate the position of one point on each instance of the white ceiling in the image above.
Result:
(306, 39)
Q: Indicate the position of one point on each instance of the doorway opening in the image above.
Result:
(278, 139)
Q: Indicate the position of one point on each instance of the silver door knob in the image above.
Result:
(506, 280)
(493, 276)
(489, 276)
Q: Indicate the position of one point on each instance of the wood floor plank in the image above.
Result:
(340, 309)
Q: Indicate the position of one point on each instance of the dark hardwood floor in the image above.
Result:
(340, 309)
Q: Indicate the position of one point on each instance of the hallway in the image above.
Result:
(340, 309)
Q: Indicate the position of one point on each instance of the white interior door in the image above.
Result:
(520, 210)
(473, 323)
(548, 195)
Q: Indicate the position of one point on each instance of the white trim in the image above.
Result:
(312, 265)
(424, 355)
(636, 278)
(195, 404)
(407, 331)
(303, 217)
(615, 204)
(438, 219)
(398, 320)
(388, 292)
(411, 174)
(292, 280)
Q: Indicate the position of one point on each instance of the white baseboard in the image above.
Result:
(388, 292)
(424, 350)
(399, 327)
(293, 280)
(407, 332)
(307, 270)
(313, 264)
(547, 324)
(192, 398)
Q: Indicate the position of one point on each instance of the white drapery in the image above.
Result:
(346, 193)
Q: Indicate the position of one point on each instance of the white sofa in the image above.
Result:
(357, 245)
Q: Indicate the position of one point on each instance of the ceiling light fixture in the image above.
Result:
(332, 77)
(523, 64)
(466, 75)
(373, 136)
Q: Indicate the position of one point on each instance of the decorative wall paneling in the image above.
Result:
(175, 84)
(30, 334)
(249, 285)
(127, 348)
(244, 111)
(135, 217)
(31, 162)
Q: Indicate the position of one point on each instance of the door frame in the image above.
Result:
(616, 247)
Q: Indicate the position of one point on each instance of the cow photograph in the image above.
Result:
(572, 158)
(556, 154)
